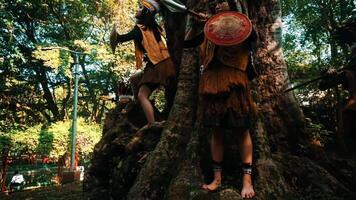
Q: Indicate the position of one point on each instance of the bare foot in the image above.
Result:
(247, 188)
(213, 186)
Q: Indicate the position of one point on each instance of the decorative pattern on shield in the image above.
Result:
(228, 28)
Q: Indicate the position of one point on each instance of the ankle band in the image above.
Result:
(247, 168)
(217, 166)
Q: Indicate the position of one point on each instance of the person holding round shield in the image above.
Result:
(224, 87)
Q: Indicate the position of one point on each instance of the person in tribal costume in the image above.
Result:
(347, 78)
(349, 111)
(149, 47)
(226, 99)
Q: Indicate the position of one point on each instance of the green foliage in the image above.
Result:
(51, 58)
(37, 81)
(159, 99)
(5, 141)
(308, 40)
(319, 133)
(25, 141)
(53, 140)
(310, 48)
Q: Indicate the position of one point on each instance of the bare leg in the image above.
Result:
(246, 157)
(217, 152)
(134, 81)
(143, 94)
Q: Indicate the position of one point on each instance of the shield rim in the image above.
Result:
(233, 42)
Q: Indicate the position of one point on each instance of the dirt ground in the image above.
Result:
(72, 191)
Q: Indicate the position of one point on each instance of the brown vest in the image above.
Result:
(233, 56)
(156, 51)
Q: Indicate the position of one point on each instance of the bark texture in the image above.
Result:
(281, 112)
(160, 166)
(171, 160)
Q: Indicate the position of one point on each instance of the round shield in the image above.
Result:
(228, 28)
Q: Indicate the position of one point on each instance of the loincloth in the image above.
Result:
(226, 98)
(161, 74)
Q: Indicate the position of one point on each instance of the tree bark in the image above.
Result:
(173, 162)
(282, 116)
(160, 165)
(90, 90)
(52, 106)
(66, 99)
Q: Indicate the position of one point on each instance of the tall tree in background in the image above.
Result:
(318, 21)
(36, 84)
(312, 48)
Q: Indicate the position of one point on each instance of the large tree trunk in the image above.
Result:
(91, 91)
(51, 104)
(283, 132)
(172, 160)
(282, 116)
(65, 101)
(161, 166)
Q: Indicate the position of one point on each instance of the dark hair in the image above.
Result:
(147, 18)
(232, 5)
(17, 171)
(213, 3)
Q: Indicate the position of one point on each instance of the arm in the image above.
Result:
(332, 79)
(115, 38)
(252, 39)
(135, 33)
(251, 45)
(251, 70)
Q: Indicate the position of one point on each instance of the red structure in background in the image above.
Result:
(5, 164)
(45, 160)
(63, 173)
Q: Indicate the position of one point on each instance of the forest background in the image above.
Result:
(36, 82)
